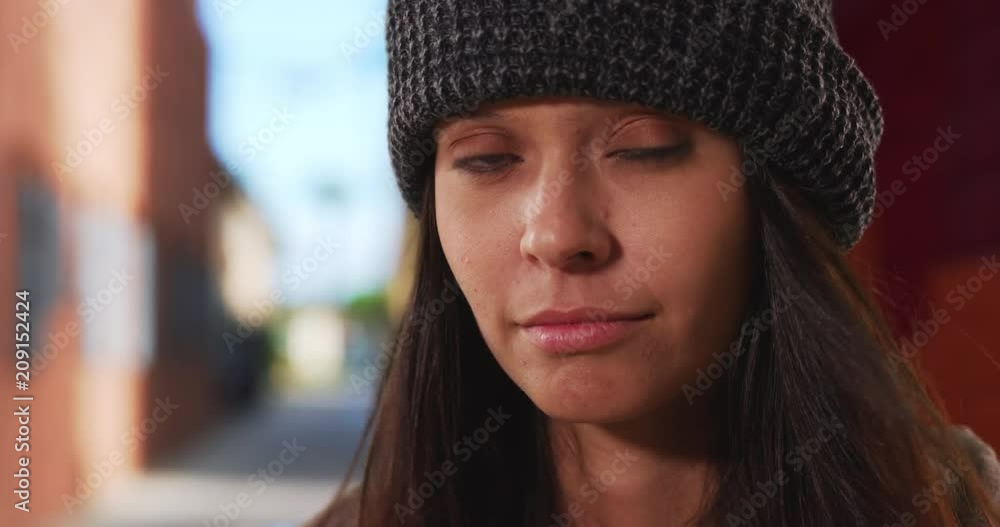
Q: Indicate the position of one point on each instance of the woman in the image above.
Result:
(632, 306)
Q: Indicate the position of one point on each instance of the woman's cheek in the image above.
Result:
(475, 262)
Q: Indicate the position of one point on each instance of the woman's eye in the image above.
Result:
(486, 163)
(656, 153)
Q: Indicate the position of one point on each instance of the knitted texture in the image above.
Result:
(771, 74)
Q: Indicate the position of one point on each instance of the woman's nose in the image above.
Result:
(565, 226)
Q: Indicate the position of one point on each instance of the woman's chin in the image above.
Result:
(602, 393)
(581, 415)
(590, 399)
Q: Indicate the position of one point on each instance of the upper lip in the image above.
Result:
(578, 315)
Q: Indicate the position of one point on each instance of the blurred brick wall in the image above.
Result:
(25, 114)
(64, 85)
(179, 163)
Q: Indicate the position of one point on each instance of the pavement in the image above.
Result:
(275, 466)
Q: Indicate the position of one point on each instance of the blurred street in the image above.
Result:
(286, 455)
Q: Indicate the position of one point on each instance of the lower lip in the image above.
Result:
(580, 337)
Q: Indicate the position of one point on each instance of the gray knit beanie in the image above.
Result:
(769, 73)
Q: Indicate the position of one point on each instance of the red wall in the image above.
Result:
(939, 68)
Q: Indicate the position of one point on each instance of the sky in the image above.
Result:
(297, 103)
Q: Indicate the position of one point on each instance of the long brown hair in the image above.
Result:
(821, 426)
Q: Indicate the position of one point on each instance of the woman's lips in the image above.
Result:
(577, 337)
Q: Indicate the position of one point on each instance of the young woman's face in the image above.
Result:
(626, 225)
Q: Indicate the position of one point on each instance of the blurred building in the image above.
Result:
(107, 194)
(242, 262)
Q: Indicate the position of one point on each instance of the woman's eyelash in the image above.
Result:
(650, 154)
(485, 163)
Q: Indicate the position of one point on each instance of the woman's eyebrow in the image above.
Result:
(476, 115)
(644, 112)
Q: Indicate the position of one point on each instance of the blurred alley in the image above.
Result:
(274, 466)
